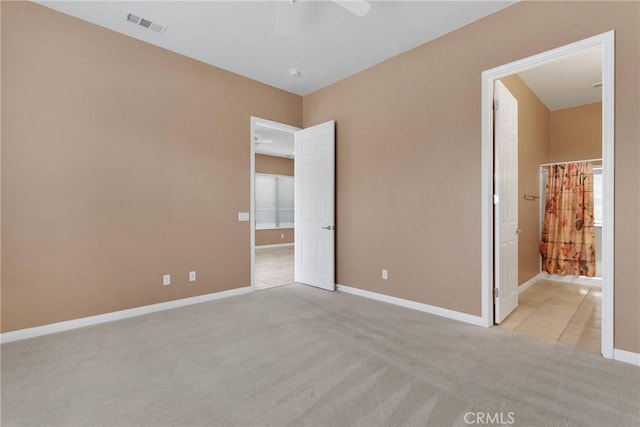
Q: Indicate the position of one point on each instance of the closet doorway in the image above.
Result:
(548, 195)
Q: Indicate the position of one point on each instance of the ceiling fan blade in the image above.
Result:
(357, 7)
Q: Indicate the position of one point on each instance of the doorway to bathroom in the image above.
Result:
(548, 195)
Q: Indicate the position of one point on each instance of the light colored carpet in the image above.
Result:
(300, 356)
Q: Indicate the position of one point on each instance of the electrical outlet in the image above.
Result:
(385, 274)
(166, 279)
(192, 276)
(282, 236)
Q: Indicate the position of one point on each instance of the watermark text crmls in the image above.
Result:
(489, 418)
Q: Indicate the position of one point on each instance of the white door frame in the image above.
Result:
(607, 42)
(272, 125)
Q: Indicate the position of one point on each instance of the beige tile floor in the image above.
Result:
(562, 312)
(274, 267)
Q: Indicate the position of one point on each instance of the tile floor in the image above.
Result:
(274, 267)
(561, 312)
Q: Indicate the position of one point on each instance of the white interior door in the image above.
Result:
(506, 202)
(315, 206)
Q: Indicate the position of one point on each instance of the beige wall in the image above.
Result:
(408, 155)
(274, 236)
(576, 133)
(274, 165)
(277, 166)
(121, 162)
(533, 150)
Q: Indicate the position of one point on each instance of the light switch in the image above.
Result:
(243, 216)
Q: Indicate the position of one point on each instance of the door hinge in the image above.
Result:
(496, 104)
(496, 293)
(495, 199)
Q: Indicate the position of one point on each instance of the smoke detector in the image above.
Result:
(294, 72)
(146, 23)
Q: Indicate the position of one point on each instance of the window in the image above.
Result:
(597, 196)
(274, 201)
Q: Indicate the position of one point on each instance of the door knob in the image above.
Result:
(328, 227)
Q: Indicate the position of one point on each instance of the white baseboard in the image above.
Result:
(438, 311)
(626, 356)
(279, 245)
(52, 328)
(574, 280)
(526, 285)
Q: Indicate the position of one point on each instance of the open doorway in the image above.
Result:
(313, 156)
(558, 206)
(273, 182)
(548, 248)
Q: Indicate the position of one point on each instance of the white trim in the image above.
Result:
(542, 204)
(573, 280)
(275, 228)
(486, 192)
(277, 245)
(626, 356)
(596, 282)
(67, 325)
(431, 309)
(606, 41)
(253, 121)
(274, 174)
(608, 173)
(526, 285)
(543, 165)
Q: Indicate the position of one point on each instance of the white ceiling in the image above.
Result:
(263, 40)
(281, 144)
(568, 81)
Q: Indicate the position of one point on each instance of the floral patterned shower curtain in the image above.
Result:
(568, 235)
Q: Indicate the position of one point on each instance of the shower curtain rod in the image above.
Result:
(573, 161)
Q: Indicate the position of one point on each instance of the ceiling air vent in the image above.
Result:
(150, 25)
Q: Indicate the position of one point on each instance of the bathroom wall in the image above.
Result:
(533, 149)
(576, 133)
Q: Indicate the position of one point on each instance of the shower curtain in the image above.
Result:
(568, 235)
